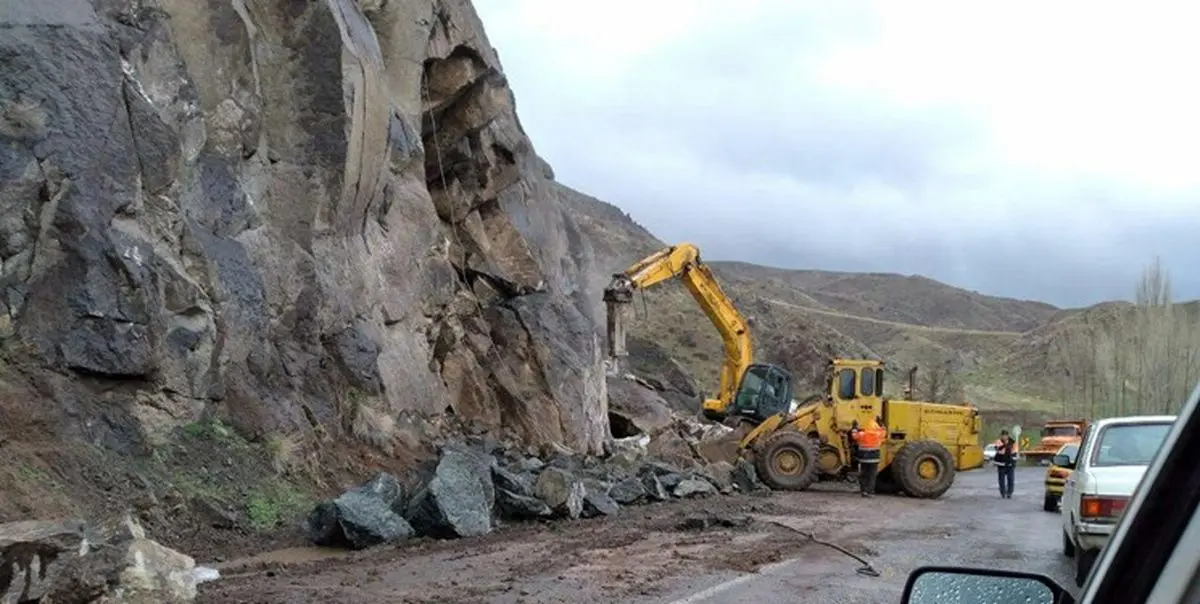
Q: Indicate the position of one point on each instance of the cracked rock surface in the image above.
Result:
(296, 215)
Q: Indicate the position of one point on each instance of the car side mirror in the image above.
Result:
(1062, 461)
(937, 584)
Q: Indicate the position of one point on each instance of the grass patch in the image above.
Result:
(210, 461)
(216, 432)
(275, 505)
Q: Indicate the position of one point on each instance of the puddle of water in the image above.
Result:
(291, 555)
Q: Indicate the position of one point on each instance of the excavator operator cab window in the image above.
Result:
(765, 391)
(866, 385)
(846, 384)
(879, 382)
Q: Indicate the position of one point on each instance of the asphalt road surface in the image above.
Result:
(670, 554)
(970, 526)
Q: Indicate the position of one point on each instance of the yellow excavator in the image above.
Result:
(794, 444)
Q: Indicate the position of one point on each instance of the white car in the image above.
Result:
(1112, 459)
(989, 452)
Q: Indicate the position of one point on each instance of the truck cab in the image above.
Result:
(1055, 434)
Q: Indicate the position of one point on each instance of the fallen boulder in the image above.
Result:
(115, 564)
(458, 500)
(33, 554)
(367, 515)
(562, 491)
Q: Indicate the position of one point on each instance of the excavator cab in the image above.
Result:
(765, 390)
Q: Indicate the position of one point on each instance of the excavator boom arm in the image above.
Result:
(683, 261)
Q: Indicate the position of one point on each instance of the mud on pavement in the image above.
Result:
(619, 558)
(640, 554)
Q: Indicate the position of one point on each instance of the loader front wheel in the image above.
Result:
(787, 461)
(924, 469)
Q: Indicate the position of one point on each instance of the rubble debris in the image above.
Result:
(470, 488)
(369, 514)
(693, 487)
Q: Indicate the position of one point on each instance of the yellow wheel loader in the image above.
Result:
(796, 443)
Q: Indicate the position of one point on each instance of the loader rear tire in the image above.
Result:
(924, 469)
(787, 461)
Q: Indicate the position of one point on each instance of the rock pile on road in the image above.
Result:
(470, 489)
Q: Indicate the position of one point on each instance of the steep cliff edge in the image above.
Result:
(312, 221)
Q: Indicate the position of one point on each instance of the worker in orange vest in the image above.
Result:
(869, 440)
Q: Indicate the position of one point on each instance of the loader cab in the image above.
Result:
(851, 380)
(765, 390)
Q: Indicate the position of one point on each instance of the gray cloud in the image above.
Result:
(728, 139)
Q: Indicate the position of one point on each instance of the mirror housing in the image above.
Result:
(1062, 461)
(935, 584)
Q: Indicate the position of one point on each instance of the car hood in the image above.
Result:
(1114, 480)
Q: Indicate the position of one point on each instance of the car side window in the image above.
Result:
(1085, 444)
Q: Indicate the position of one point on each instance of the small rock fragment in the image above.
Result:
(693, 487)
(521, 484)
(529, 464)
(515, 506)
(721, 475)
(596, 501)
(628, 491)
(562, 491)
(745, 477)
(654, 488)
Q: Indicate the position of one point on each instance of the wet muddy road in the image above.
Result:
(669, 553)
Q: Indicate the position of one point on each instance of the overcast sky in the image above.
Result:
(1035, 150)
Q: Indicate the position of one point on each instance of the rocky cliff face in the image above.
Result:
(320, 217)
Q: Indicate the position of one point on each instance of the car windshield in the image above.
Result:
(1129, 444)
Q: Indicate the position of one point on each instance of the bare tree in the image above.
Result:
(1141, 360)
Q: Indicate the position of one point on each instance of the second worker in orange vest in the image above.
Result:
(869, 440)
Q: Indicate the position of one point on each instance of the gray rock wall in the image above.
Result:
(296, 214)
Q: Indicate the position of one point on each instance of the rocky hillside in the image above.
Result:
(313, 232)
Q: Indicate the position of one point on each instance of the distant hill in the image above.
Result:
(1000, 350)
